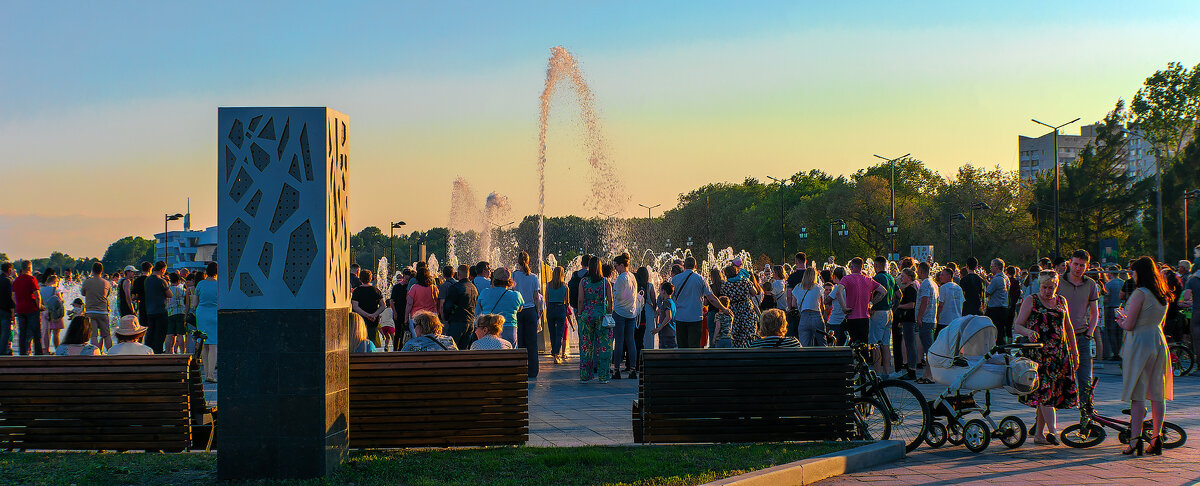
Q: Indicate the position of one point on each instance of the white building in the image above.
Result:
(187, 249)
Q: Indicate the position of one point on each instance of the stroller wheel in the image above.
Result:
(936, 435)
(976, 435)
(954, 434)
(1011, 432)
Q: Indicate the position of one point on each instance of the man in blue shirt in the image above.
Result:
(691, 291)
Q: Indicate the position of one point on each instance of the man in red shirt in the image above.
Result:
(861, 292)
(28, 303)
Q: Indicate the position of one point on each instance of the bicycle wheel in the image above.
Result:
(1182, 360)
(870, 421)
(908, 411)
(1172, 435)
(1076, 437)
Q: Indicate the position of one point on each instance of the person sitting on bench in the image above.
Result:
(429, 336)
(487, 330)
(75, 343)
(128, 333)
(774, 325)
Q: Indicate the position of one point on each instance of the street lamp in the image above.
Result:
(892, 229)
(803, 235)
(979, 206)
(648, 208)
(166, 218)
(391, 245)
(1188, 194)
(1157, 191)
(842, 232)
(1057, 249)
(782, 237)
(950, 246)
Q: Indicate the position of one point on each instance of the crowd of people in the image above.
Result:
(154, 312)
(1077, 309)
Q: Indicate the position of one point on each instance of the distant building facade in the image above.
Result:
(1037, 153)
(187, 249)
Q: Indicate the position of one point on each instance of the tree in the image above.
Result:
(130, 250)
(1167, 106)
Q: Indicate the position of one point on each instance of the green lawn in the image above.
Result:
(641, 465)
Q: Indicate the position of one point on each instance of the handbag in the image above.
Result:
(608, 321)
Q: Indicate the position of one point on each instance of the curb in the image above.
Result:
(813, 469)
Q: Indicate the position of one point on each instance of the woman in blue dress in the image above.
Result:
(206, 320)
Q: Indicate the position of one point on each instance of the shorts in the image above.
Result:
(99, 322)
(722, 343)
(881, 328)
(177, 324)
(858, 329)
(389, 331)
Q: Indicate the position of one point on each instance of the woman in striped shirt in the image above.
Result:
(772, 330)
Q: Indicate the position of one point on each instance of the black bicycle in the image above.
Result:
(886, 408)
(1090, 429)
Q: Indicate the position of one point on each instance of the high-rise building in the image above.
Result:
(1037, 153)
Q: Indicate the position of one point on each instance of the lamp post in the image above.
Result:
(950, 246)
(803, 235)
(782, 237)
(648, 208)
(1057, 249)
(892, 229)
(391, 245)
(979, 206)
(842, 232)
(166, 218)
(1157, 192)
(1188, 194)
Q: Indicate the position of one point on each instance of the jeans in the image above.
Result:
(458, 331)
(1083, 375)
(157, 331)
(527, 331)
(1000, 317)
(1195, 325)
(910, 344)
(793, 318)
(6, 328)
(688, 333)
(858, 329)
(639, 335)
(29, 326)
(1114, 336)
(711, 320)
(556, 317)
(624, 341)
(811, 329)
(509, 333)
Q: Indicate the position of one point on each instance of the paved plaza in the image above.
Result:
(564, 412)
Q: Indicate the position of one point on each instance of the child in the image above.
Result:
(724, 325)
(665, 324)
(387, 330)
(76, 309)
(176, 341)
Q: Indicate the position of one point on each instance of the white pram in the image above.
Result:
(966, 359)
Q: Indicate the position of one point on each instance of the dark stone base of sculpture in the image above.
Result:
(283, 393)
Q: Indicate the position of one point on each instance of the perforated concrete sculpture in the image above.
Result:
(284, 297)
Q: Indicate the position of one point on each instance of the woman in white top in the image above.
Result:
(836, 300)
(810, 302)
(528, 319)
(779, 287)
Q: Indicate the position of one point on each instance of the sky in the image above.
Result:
(108, 109)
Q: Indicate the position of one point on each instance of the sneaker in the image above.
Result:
(616, 374)
(909, 376)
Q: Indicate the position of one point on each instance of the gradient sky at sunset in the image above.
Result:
(108, 109)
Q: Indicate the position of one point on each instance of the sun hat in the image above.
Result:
(129, 327)
(129, 268)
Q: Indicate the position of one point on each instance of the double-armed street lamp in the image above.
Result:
(1057, 248)
(166, 218)
(950, 245)
(979, 206)
(803, 235)
(842, 232)
(1188, 194)
(648, 208)
(892, 229)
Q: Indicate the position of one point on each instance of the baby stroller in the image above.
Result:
(964, 357)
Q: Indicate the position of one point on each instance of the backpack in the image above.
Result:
(573, 289)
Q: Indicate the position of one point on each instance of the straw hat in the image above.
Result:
(129, 327)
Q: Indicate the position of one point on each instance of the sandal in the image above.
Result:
(924, 381)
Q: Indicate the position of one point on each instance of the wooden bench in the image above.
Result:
(441, 398)
(98, 402)
(744, 395)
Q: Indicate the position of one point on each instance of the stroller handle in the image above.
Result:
(1004, 347)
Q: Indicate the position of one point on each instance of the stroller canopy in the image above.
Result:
(965, 336)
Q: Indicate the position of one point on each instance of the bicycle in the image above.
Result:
(1183, 361)
(1090, 429)
(886, 407)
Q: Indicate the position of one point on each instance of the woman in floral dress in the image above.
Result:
(746, 315)
(1042, 319)
(595, 340)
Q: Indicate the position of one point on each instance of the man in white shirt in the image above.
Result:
(950, 300)
(927, 306)
(624, 314)
(128, 333)
(691, 291)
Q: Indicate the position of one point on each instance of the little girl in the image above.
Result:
(665, 324)
(724, 325)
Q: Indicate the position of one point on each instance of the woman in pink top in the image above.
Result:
(422, 295)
